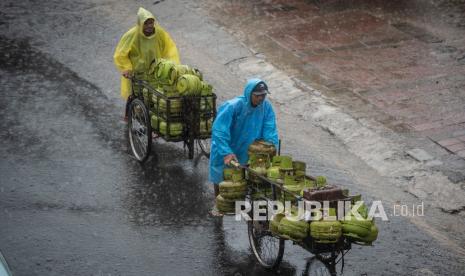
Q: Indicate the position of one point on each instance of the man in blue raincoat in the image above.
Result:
(239, 122)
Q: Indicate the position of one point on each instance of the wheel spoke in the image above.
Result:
(137, 149)
(134, 133)
(267, 248)
(140, 146)
(138, 130)
(142, 142)
(142, 137)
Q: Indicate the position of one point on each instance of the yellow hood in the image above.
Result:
(142, 16)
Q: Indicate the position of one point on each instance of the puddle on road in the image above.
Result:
(169, 189)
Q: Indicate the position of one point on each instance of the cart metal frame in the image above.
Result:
(329, 254)
(140, 129)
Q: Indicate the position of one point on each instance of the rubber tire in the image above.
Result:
(253, 246)
(138, 102)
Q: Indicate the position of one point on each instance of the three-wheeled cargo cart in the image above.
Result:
(152, 114)
(268, 247)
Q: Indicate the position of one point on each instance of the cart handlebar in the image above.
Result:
(236, 164)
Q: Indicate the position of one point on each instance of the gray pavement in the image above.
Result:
(73, 202)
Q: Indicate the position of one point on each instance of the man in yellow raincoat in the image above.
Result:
(139, 47)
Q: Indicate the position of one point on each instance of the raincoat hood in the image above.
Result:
(251, 83)
(142, 16)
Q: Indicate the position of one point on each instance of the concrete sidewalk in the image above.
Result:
(400, 64)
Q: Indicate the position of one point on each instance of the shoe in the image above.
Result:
(215, 212)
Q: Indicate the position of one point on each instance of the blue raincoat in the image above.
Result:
(237, 125)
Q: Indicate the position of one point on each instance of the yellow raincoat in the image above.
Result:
(135, 51)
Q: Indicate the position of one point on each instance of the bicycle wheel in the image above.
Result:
(315, 267)
(204, 145)
(268, 250)
(140, 130)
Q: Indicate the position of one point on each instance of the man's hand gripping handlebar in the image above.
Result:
(234, 163)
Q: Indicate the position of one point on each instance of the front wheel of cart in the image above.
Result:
(268, 249)
(204, 145)
(316, 267)
(140, 130)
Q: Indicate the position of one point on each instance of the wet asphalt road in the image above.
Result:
(73, 201)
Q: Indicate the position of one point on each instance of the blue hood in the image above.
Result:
(251, 83)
